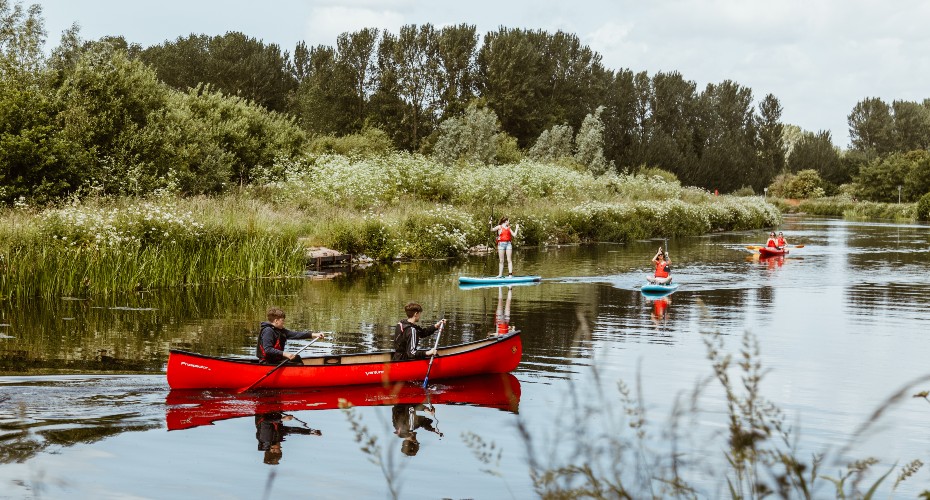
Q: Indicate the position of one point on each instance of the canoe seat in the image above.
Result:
(332, 360)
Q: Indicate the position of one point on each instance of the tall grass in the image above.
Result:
(387, 207)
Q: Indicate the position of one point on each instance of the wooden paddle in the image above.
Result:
(435, 345)
(240, 391)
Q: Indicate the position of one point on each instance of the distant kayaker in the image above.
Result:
(273, 337)
(505, 237)
(773, 241)
(663, 274)
(781, 241)
(408, 333)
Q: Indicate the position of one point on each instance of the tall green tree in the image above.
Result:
(728, 158)
(457, 48)
(325, 101)
(911, 125)
(871, 126)
(234, 64)
(772, 148)
(815, 151)
(356, 53)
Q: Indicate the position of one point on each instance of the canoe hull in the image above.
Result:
(188, 370)
(493, 280)
(771, 252)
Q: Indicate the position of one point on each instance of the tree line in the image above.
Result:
(202, 113)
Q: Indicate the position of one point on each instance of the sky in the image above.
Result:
(818, 57)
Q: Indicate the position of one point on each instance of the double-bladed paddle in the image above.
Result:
(756, 247)
(240, 391)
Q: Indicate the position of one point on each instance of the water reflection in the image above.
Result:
(407, 420)
(185, 409)
(270, 431)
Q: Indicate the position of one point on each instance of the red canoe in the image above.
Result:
(193, 408)
(498, 354)
(772, 252)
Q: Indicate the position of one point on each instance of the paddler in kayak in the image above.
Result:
(505, 237)
(663, 274)
(273, 337)
(781, 241)
(773, 242)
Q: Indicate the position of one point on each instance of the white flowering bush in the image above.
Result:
(443, 231)
(362, 182)
(97, 227)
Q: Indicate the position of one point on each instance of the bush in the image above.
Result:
(922, 210)
(371, 141)
(439, 233)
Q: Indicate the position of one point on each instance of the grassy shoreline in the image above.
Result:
(398, 206)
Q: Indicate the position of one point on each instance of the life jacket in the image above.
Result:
(505, 235)
(279, 341)
(781, 242)
(771, 243)
(662, 269)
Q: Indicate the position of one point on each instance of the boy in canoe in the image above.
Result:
(663, 274)
(273, 337)
(408, 333)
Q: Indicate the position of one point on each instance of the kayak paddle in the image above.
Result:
(240, 391)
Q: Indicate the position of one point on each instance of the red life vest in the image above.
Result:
(771, 243)
(781, 242)
(505, 235)
(660, 269)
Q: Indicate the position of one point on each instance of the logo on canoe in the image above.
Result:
(185, 363)
(513, 350)
(374, 372)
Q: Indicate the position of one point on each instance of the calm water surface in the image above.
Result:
(85, 411)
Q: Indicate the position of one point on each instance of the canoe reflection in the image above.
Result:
(192, 408)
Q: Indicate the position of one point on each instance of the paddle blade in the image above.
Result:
(753, 247)
(799, 246)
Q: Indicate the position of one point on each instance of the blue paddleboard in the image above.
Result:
(494, 280)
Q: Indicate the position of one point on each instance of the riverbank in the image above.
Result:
(398, 206)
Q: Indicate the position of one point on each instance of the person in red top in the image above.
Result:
(781, 240)
(773, 241)
(505, 237)
(663, 272)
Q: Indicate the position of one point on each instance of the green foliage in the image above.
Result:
(744, 191)
(234, 64)
(371, 141)
(817, 152)
(922, 210)
(371, 236)
(589, 144)
(871, 126)
(804, 184)
(880, 179)
(439, 233)
(472, 138)
(508, 151)
(553, 144)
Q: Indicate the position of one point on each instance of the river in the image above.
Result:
(841, 326)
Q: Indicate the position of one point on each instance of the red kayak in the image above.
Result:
(497, 354)
(772, 252)
(190, 408)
